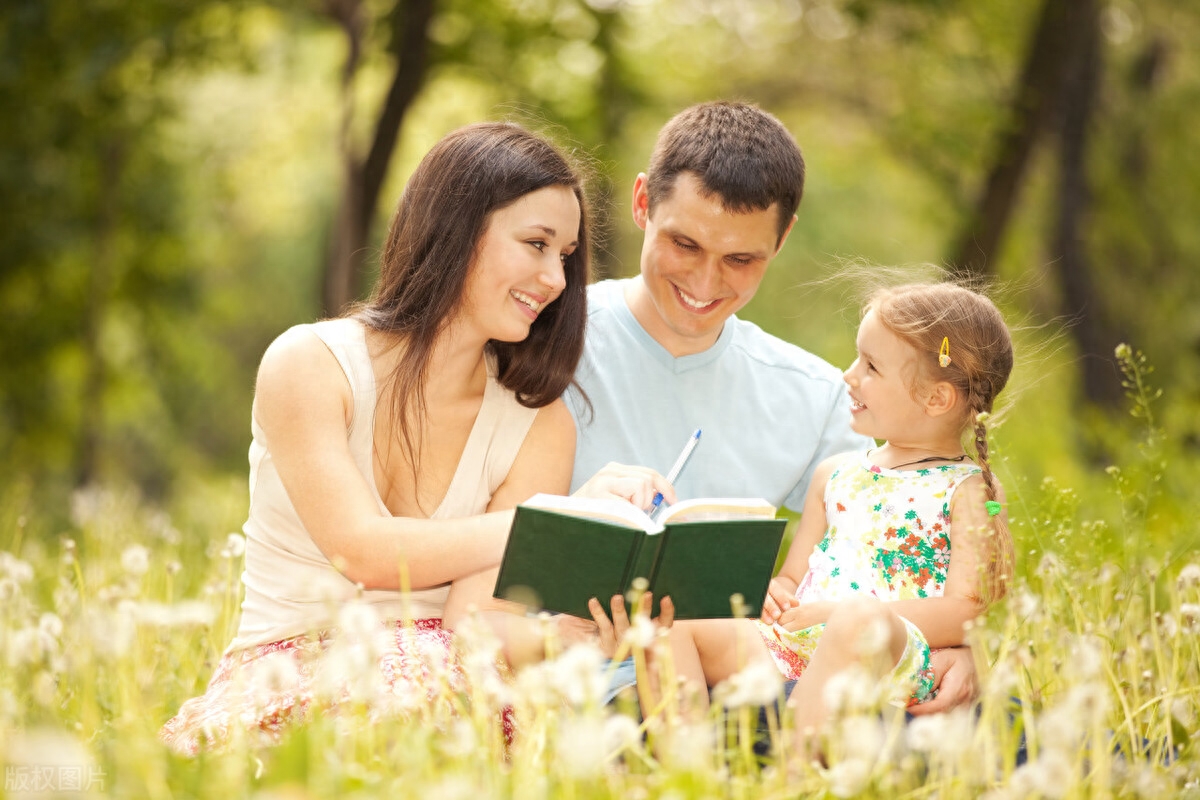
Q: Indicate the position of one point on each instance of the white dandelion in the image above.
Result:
(135, 560)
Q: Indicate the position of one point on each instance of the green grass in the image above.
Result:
(113, 614)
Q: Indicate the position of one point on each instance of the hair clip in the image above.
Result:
(944, 352)
(993, 508)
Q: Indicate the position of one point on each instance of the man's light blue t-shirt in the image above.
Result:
(769, 411)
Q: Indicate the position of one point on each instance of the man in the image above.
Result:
(666, 354)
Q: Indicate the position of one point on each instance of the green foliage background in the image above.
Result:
(170, 174)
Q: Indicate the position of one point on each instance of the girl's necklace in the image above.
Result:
(927, 459)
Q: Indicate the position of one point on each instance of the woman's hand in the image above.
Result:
(638, 485)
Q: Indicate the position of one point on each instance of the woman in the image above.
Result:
(390, 445)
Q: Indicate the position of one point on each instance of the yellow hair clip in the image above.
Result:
(944, 352)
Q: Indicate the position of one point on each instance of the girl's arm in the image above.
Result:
(975, 550)
(304, 405)
(781, 594)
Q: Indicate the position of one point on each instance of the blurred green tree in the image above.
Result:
(93, 272)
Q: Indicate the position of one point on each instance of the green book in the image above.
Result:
(562, 551)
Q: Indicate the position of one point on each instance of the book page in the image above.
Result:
(618, 512)
(703, 509)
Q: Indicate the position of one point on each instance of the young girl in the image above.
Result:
(907, 541)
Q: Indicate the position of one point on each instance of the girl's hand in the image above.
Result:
(638, 485)
(805, 615)
(781, 595)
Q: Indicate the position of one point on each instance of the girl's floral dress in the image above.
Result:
(889, 538)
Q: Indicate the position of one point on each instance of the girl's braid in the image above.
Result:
(1000, 567)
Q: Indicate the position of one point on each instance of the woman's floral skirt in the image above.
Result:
(393, 669)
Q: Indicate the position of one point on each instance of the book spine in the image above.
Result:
(642, 559)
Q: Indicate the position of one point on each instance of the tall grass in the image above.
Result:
(1090, 672)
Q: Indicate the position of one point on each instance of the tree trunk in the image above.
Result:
(91, 422)
(1037, 93)
(363, 179)
(1081, 302)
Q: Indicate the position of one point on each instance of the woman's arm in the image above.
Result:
(304, 404)
(543, 464)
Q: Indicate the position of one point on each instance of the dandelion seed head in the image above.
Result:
(949, 733)
(1026, 603)
(1061, 726)
(641, 632)
(621, 732)
(135, 560)
(865, 735)
(13, 568)
(1189, 617)
(848, 778)
(873, 639)
(461, 740)
(24, 646)
(86, 505)
(1051, 775)
(9, 590)
(1150, 785)
(688, 746)
(358, 620)
(580, 747)
(852, 688)
(111, 632)
(1189, 577)
(1088, 655)
(272, 675)
(759, 683)
(578, 675)
(50, 625)
(235, 546)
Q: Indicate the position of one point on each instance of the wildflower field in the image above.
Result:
(1090, 670)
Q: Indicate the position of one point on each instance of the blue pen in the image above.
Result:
(673, 475)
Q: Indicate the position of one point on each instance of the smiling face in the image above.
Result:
(700, 263)
(517, 269)
(881, 379)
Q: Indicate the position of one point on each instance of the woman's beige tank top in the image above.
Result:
(291, 587)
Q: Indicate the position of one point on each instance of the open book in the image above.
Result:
(562, 551)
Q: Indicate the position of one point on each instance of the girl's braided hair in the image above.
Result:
(981, 360)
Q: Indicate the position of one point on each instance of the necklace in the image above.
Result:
(927, 459)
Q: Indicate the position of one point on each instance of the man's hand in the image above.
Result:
(638, 485)
(955, 678)
(612, 632)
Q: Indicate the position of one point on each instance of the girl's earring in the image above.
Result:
(944, 352)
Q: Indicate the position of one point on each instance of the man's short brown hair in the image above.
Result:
(739, 152)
